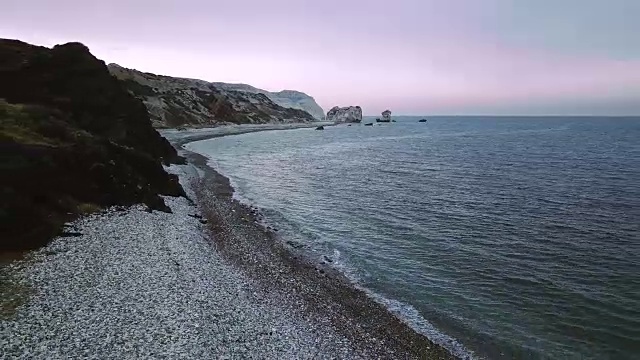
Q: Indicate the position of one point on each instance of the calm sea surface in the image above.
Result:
(505, 237)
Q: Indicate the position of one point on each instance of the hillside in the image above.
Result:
(286, 98)
(72, 141)
(174, 102)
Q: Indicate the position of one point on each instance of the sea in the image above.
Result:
(498, 237)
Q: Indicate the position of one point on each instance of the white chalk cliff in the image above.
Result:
(286, 98)
(173, 102)
(349, 114)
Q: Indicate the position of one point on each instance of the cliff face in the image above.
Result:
(348, 114)
(285, 98)
(173, 102)
(297, 100)
(72, 141)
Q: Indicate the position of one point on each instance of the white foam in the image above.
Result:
(412, 317)
(405, 312)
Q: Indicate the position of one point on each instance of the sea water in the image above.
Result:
(508, 237)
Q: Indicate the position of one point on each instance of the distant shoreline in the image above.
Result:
(181, 137)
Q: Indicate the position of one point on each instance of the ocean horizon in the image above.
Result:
(492, 235)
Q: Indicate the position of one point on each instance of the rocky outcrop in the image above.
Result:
(350, 114)
(386, 115)
(174, 102)
(72, 141)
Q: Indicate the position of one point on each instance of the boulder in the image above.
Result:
(386, 116)
(320, 128)
(349, 114)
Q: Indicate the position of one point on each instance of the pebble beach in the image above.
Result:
(208, 280)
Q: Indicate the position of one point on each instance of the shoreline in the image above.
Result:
(178, 138)
(284, 266)
(208, 279)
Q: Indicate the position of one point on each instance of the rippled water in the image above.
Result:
(519, 237)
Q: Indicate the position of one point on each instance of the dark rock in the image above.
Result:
(73, 141)
(368, 124)
(70, 234)
(203, 221)
(320, 128)
(422, 120)
(294, 244)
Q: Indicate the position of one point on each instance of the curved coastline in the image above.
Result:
(238, 231)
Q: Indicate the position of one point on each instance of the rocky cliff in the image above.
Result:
(348, 114)
(72, 140)
(174, 102)
(285, 98)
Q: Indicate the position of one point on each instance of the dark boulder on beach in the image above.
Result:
(72, 141)
(320, 128)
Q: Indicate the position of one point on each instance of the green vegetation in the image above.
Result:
(20, 123)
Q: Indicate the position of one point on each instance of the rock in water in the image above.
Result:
(349, 114)
(386, 116)
(320, 128)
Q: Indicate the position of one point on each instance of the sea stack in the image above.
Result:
(386, 116)
(349, 114)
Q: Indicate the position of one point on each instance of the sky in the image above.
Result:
(415, 57)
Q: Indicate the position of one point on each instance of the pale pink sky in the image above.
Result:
(412, 56)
